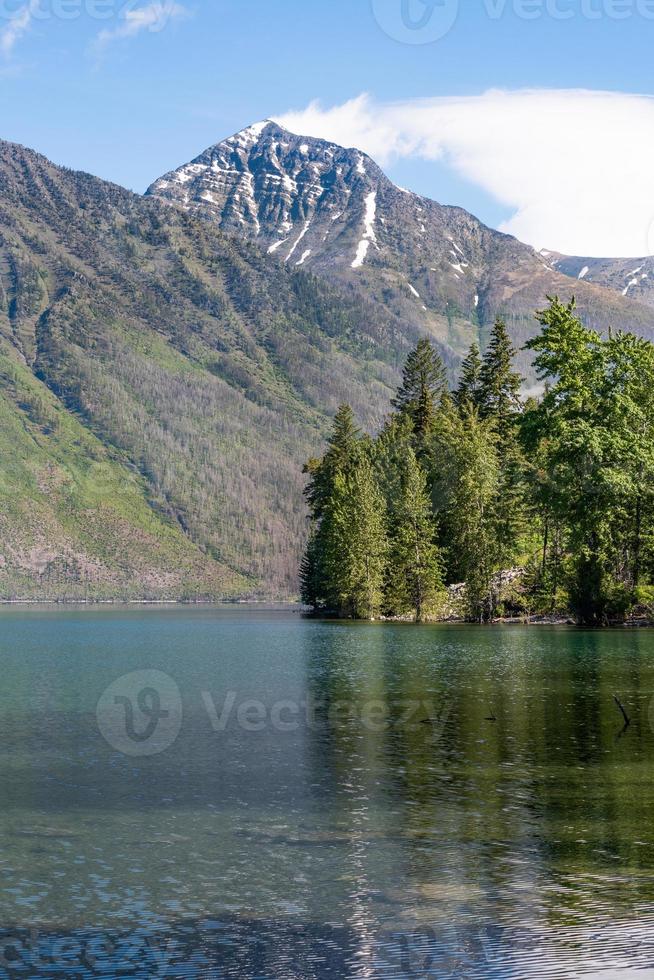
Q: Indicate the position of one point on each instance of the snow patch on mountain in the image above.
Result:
(307, 225)
(276, 245)
(249, 135)
(369, 231)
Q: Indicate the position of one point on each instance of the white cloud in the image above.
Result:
(153, 17)
(576, 167)
(18, 25)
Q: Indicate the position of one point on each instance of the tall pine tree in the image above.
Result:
(415, 578)
(359, 560)
(499, 403)
(319, 571)
(424, 383)
(464, 494)
(499, 384)
(342, 452)
(469, 387)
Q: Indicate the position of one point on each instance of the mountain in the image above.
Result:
(319, 206)
(629, 277)
(163, 378)
(161, 385)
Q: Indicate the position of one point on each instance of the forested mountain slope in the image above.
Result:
(160, 387)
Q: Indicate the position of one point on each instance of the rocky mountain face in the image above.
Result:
(319, 206)
(633, 278)
(161, 386)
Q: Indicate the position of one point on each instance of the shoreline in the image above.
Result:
(633, 623)
(150, 602)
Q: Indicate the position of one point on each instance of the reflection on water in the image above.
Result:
(342, 800)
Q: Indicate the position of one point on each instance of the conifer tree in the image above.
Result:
(415, 578)
(424, 382)
(499, 384)
(320, 570)
(464, 495)
(584, 479)
(469, 388)
(391, 450)
(499, 402)
(359, 559)
(343, 450)
(311, 572)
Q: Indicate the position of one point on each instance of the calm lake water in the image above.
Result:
(214, 792)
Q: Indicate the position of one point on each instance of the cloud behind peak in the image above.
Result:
(573, 166)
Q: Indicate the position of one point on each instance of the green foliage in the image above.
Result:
(344, 564)
(342, 453)
(465, 491)
(467, 487)
(424, 381)
(468, 391)
(414, 576)
(643, 596)
(593, 437)
(499, 384)
(360, 544)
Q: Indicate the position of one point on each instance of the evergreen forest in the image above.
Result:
(539, 505)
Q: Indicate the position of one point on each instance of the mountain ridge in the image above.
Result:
(332, 210)
(628, 276)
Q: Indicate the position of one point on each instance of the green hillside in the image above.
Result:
(75, 519)
(160, 386)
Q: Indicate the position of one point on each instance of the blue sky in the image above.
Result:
(138, 100)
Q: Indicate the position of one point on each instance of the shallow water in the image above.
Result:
(284, 798)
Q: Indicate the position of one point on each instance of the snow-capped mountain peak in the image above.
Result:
(304, 199)
(315, 205)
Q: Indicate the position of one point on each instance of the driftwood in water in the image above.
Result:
(627, 719)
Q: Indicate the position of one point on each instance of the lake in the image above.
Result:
(245, 793)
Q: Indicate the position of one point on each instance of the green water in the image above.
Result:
(286, 798)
